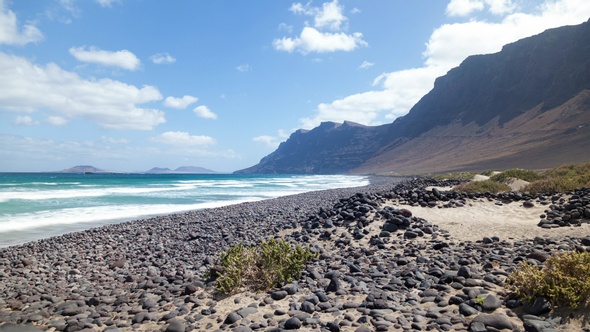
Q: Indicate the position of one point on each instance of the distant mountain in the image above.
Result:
(84, 169)
(526, 106)
(181, 170)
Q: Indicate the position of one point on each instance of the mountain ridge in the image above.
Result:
(526, 106)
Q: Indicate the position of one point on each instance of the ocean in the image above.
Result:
(40, 205)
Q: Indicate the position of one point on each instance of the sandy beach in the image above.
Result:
(391, 257)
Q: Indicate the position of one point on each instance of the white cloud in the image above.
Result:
(11, 34)
(285, 27)
(26, 88)
(123, 59)
(447, 47)
(204, 112)
(243, 68)
(328, 16)
(179, 138)
(312, 40)
(315, 39)
(180, 103)
(271, 141)
(106, 3)
(366, 64)
(111, 140)
(467, 7)
(23, 120)
(464, 7)
(55, 120)
(162, 58)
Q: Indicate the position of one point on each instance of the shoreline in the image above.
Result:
(148, 274)
(44, 232)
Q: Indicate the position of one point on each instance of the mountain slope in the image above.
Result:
(330, 148)
(526, 106)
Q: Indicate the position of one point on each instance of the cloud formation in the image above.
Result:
(180, 103)
(12, 34)
(27, 88)
(162, 58)
(467, 7)
(366, 64)
(122, 59)
(204, 112)
(396, 92)
(181, 138)
(271, 141)
(106, 3)
(243, 68)
(314, 38)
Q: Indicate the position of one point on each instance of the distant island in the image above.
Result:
(181, 170)
(87, 169)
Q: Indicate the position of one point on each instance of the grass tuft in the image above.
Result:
(484, 186)
(453, 176)
(261, 267)
(515, 173)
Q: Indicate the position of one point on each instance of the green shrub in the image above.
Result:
(560, 179)
(523, 174)
(261, 267)
(564, 279)
(482, 187)
(488, 172)
(453, 176)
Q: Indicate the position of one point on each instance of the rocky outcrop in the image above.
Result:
(526, 106)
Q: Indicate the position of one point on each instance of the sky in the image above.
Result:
(127, 85)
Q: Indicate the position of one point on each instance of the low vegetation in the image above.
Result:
(484, 186)
(564, 279)
(261, 267)
(453, 176)
(560, 179)
(516, 173)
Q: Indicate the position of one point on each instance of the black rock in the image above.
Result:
(292, 323)
(176, 325)
(278, 295)
(491, 303)
(498, 321)
(541, 306)
(231, 318)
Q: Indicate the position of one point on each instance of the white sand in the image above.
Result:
(484, 218)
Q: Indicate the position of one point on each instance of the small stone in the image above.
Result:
(491, 303)
(541, 306)
(278, 295)
(292, 323)
(176, 325)
(231, 318)
(498, 321)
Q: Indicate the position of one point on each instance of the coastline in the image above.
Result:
(69, 223)
(149, 274)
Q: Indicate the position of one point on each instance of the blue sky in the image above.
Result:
(128, 85)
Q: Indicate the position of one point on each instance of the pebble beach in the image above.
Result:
(392, 256)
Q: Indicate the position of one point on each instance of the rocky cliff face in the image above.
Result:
(526, 106)
(330, 148)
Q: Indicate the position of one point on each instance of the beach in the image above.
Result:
(391, 256)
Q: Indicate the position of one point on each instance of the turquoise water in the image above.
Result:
(39, 205)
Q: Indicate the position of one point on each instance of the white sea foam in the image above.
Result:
(102, 214)
(40, 209)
